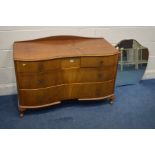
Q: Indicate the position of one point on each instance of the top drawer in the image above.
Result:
(99, 61)
(73, 62)
(37, 66)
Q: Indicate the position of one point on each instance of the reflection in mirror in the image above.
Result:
(132, 62)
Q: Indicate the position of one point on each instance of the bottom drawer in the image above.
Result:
(92, 90)
(40, 97)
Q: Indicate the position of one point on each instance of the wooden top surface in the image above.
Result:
(61, 46)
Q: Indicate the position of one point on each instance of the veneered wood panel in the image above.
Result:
(65, 76)
(39, 80)
(88, 75)
(37, 66)
(70, 62)
(98, 61)
(66, 67)
(61, 46)
(92, 90)
(40, 97)
(33, 97)
(95, 74)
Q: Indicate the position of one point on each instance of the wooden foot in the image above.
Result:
(21, 115)
(111, 99)
(21, 112)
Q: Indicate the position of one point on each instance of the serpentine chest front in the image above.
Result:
(59, 68)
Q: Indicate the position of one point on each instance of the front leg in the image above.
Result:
(111, 99)
(21, 112)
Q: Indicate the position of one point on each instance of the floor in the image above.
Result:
(134, 108)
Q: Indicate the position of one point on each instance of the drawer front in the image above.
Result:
(95, 74)
(70, 62)
(70, 75)
(88, 75)
(39, 80)
(33, 97)
(66, 76)
(42, 97)
(99, 61)
(92, 90)
(37, 66)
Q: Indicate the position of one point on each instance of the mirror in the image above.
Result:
(132, 62)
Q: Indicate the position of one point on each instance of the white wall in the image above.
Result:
(144, 35)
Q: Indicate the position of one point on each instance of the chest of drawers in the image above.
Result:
(53, 69)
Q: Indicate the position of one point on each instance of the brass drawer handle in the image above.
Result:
(71, 60)
(23, 65)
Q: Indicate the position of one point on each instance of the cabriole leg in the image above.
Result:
(21, 112)
(111, 99)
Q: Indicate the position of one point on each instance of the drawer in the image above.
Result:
(33, 97)
(70, 62)
(41, 97)
(99, 61)
(92, 90)
(37, 66)
(80, 75)
(95, 74)
(39, 80)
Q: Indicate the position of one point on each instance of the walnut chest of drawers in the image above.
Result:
(58, 68)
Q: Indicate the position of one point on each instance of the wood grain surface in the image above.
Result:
(58, 68)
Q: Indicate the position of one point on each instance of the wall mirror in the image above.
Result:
(132, 64)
